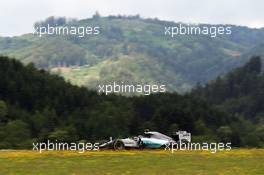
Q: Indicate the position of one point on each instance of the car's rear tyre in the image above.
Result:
(119, 145)
(141, 145)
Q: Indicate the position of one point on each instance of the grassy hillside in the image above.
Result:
(135, 50)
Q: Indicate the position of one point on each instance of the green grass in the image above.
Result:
(83, 75)
(233, 162)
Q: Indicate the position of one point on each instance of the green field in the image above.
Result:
(233, 162)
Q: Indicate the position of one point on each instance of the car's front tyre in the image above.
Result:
(119, 145)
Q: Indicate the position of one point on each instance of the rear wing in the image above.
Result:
(182, 136)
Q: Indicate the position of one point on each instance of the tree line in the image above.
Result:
(38, 106)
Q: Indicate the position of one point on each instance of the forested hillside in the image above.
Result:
(36, 106)
(135, 50)
(240, 94)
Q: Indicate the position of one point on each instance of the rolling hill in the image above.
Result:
(135, 50)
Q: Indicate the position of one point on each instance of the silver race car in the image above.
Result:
(150, 139)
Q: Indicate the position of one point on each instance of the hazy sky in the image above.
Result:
(17, 16)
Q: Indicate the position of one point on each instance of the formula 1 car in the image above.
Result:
(150, 139)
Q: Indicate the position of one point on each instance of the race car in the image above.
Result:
(150, 139)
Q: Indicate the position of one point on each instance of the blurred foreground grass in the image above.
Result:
(234, 162)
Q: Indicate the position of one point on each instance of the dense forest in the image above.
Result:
(240, 94)
(36, 106)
